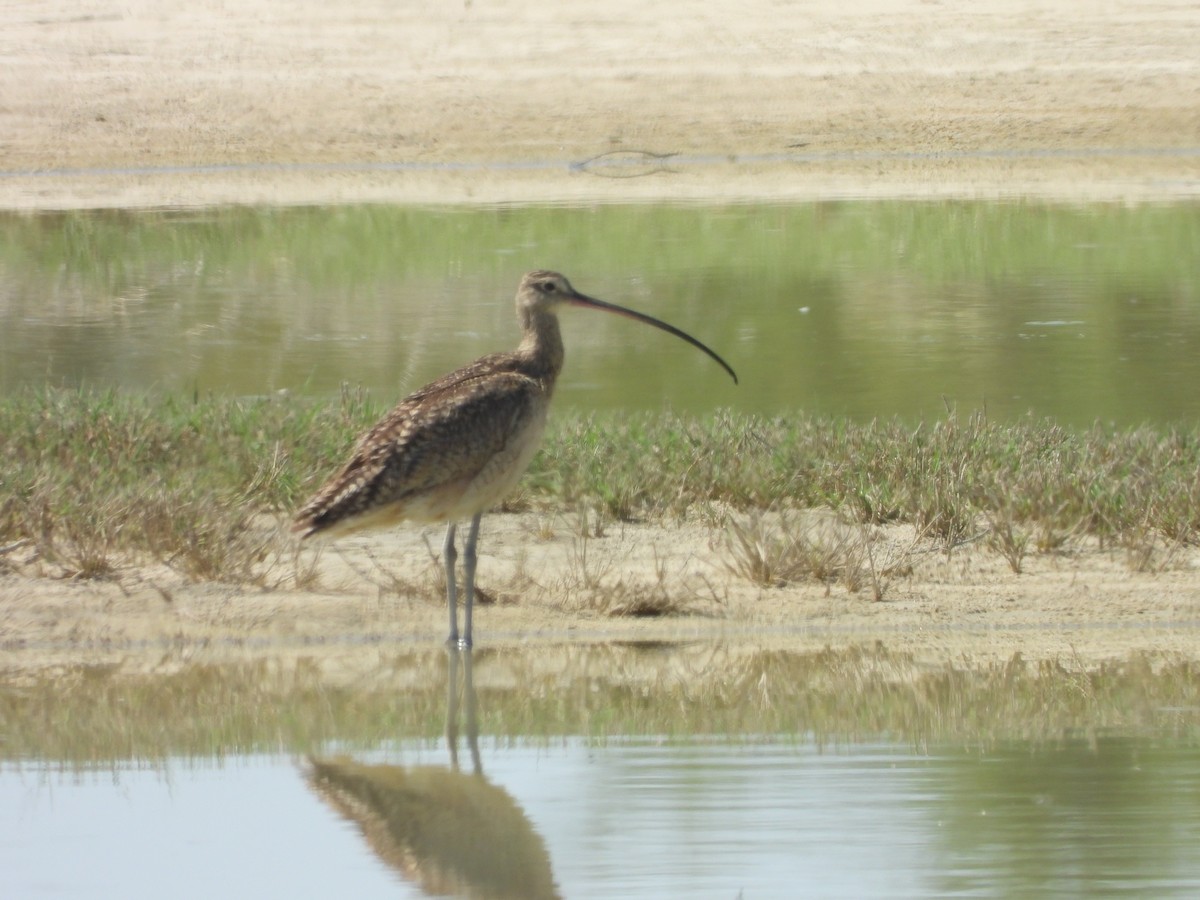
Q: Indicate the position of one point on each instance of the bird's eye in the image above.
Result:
(548, 287)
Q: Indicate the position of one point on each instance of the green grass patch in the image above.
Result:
(95, 480)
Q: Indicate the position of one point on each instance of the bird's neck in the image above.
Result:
(542, 345)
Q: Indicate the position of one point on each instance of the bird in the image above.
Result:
(452, 449)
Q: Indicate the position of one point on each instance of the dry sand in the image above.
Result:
(146, 103)
(546, 583)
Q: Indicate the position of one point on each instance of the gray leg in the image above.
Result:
(469, 577)
(451, 556)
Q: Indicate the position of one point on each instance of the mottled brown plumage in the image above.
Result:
(453, 449)
(452, 441)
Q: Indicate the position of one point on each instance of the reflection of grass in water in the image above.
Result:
(83, 715)
(907, 300)
(939, 241)
(94, 481)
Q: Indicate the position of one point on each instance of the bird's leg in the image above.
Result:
(469, 578)
(451, 556)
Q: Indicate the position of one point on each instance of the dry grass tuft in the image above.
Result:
(775, 549)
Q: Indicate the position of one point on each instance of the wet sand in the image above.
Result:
(144, 104)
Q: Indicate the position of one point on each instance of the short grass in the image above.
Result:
(94, 481)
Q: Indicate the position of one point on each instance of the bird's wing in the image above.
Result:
(444, 433)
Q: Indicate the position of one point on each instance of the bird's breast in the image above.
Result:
(505, 467)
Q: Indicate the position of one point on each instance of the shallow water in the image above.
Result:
(772, 818)
(861, 309)
(634, 770)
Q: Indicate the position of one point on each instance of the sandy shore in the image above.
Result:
(144, 103)
(544, 583)
(170, 104)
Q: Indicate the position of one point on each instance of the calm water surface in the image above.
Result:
(775, 818)
(860, 309)
(656, 771)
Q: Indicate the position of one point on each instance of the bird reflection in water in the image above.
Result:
(449, 831)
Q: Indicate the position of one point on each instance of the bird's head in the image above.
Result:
(545, 291)
(542, 291)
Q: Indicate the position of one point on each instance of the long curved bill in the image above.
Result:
(577, 299)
